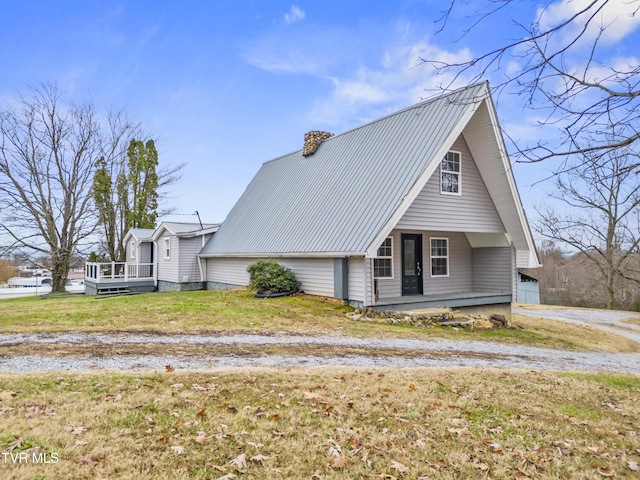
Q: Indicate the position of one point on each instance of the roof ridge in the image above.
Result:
(420, 104)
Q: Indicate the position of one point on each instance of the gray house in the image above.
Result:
(163, 259)
(178, 248)
(414, 210)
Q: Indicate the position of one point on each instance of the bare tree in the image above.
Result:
(565, 72)
(48, 152)
(602, 202)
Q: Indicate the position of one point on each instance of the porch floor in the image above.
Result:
(451, 300)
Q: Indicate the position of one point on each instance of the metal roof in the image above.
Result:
(185, 228)
(142, 233)
(340, 199)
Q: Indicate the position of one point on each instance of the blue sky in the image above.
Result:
(226, 85)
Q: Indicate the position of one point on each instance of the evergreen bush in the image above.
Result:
(268, 276)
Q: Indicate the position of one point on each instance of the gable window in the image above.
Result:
(383, 263)
(132, 247)
(167, 248)
(450, 174)
(439, 257)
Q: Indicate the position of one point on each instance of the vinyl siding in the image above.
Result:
(129, 247)
(168, 268)
(189, 249)
(314, 274)
(514, 274)
(356, 279)
(368, 282)
(144, 252)
(473, 211)
(492, 270)
(460, 270)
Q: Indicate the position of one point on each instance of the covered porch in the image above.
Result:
(476, 303)
(119, 277)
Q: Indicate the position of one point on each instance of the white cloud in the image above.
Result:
(396, 81)
(295, 14)
(368, 80)
(617, 18)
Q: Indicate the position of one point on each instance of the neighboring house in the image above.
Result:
(415, 210)
(178, 248)
(163, 259)
(528, 289)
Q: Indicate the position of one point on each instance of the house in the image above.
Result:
(178, 248)
(528, 289)
(415, 210)
(163, 259)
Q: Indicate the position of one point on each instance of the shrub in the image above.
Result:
(269, 276)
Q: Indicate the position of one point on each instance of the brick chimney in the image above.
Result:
(312, 141)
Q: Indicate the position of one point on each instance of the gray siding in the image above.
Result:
(528, 292)
(473, 211)
(356, 279)
(492, 271)
(129, 247)
(189, 249)
(460, 269)
(144, 252)
(168, 268)
(314, 274)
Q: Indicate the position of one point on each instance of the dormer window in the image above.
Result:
(450, 173)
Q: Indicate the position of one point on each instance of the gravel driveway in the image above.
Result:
(608, 320)
(438, 352)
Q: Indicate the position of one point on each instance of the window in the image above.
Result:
(132, 247)
(439, 257)
(167, 248)
(450, 174)
(383, 263)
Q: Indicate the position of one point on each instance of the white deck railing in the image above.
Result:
(118, 272)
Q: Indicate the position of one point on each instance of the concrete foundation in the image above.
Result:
(164, 286)
(223, 286)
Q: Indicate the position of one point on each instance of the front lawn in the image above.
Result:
(325, 424)
(238, 312)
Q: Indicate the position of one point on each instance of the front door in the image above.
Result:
(411, 264)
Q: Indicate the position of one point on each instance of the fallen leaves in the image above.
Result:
(75, 430)
(170, 368)
(240, 462)
(177, 449)
(92, 460)
(399, 467)
(339, 463)
(7, 395)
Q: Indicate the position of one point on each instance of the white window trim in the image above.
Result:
(390, 258)
(167, 248)
(132, 245)
(431, 257)
(459, 192)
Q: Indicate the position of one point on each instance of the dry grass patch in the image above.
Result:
(633, 321)
(325, 423)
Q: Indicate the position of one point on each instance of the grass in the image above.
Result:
(633, 321)
(238, 312)
(328, 423)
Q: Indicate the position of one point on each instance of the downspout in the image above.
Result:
(156, 264)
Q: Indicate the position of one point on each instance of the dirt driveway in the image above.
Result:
(608, 320)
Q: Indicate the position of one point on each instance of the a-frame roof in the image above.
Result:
(345, 198)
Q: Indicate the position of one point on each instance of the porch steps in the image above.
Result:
(107, 290)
